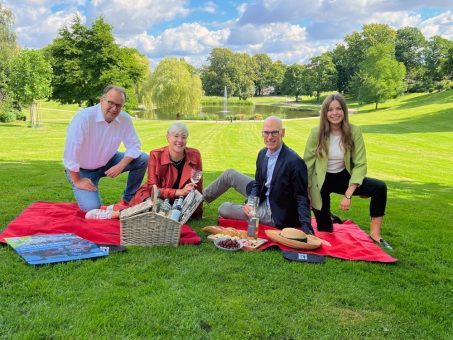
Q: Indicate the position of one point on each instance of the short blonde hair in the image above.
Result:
(178, 129)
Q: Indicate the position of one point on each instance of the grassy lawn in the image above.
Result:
(201, 292)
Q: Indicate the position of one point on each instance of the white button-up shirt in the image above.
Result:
(91, 141)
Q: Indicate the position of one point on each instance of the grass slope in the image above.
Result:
(200, 292)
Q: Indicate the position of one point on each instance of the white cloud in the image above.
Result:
(282, 36)
(36, 26)
(439, 25)
(395, 19)
(187, 39)
(132, 17)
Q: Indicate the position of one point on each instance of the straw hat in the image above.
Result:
(294, 238)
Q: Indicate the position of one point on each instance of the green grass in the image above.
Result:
(201, 292)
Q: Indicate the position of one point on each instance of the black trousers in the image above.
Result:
(338, 183)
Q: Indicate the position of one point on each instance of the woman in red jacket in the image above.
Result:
(169, 168)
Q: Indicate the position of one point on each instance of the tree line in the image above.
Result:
(373, 65)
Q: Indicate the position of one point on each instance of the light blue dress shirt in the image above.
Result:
(270, 170)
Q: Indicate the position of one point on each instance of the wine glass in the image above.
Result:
(195, 175)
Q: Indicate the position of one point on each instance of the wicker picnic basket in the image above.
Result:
(142, 226)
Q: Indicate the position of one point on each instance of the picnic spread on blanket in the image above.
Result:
(347, 242)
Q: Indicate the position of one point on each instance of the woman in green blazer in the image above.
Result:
(336, 160)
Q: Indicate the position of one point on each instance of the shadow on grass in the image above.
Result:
(426, 99)
(10, 125)
(439, 121)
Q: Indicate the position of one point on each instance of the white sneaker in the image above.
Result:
(98, 214)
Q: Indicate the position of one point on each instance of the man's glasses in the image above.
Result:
(274, 133)
(112, 104)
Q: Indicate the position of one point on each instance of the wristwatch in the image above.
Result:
(348, 196)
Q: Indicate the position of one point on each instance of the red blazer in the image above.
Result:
(164, 175)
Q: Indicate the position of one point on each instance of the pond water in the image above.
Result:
(239, 112)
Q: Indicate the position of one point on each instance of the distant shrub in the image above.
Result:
(213, 100)
(7, 113)
(7, 117)
(20, 115)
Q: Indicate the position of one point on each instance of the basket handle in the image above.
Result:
(155, 197)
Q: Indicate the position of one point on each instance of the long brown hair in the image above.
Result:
(324, 126)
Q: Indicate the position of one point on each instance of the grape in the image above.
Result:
(229, 244)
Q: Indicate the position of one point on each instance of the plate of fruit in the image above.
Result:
(228, 244)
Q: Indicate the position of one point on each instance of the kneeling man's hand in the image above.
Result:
(114, 170)
(85, 184)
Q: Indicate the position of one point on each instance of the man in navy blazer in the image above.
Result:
(280, 182)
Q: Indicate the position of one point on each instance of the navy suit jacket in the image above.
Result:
(289, 196)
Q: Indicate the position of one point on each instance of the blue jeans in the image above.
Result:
(88, 200)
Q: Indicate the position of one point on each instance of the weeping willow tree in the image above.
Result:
(176, 89)
(143, 93)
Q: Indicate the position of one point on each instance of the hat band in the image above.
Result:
(305, 240)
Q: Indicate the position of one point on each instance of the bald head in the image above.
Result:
(273, 133)
(274, 120)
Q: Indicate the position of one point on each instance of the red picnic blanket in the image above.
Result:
(347, 242)
(56, 218)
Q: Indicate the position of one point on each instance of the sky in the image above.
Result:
(292, 31)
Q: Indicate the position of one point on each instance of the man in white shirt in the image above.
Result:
(91, 149)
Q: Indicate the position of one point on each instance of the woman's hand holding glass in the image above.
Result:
(195, 176)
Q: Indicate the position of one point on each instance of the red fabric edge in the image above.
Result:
(347, 242)
(55, 218)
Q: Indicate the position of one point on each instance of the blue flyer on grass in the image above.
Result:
(52, 248)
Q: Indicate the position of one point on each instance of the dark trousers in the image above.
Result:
(338, 183)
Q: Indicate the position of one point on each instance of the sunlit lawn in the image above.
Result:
(201, 292)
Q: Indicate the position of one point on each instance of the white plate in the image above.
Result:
(216, 242)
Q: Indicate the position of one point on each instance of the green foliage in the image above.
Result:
(244, 76)
(20, 115)
(277, 73)
(437, 58)
(263, 67)
(324, 73)
(344, 67)
(85, 60)
(409, 46)
(213, 100)
(7, 113)
(218, 73)
(381, 77)
(30, 77)
(236, 71)
(298, 80)
(8, 46)
(348, 57)
(175, 88)
(143, 92)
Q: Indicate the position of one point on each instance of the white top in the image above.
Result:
(91, 142)
(336, 155)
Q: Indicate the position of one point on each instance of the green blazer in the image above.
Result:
(355, 164)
